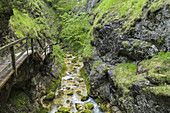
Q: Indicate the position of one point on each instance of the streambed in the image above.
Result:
(73, 88)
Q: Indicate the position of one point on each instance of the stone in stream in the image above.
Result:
(68, 101)
(78, 107)
(70, 79)
(84, 98)
(70, 93)
(80, 80)
(89, 106)
(68, 88)
(64, 110)
(78, 92)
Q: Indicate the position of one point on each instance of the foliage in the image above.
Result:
(96, 64)
(158, 67)
(125, 10)
(75, 29)
(30, 19)
(125, 76)
(88, 51)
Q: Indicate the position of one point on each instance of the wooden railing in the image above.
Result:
(20, 48)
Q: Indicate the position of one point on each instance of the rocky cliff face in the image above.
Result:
(117, 72)
(34, 80)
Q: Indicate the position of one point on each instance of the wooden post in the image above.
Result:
(32, 47)
(45, 48)
(27, 46)
(13, 59)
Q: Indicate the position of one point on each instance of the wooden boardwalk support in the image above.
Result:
(9, 65)
(13, 59)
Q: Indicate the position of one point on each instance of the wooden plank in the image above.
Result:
(13, 59)
(11, 44)
(21, 53)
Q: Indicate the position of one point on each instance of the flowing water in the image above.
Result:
(71, 83)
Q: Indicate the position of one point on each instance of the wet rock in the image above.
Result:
(70, 93)
(80, 80)
(89, 106)
(78, 92)
(78, 107)
(64, 110)
(50, 96)
(84, 98)
(143, 41)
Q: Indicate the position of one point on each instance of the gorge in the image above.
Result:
(109, 56)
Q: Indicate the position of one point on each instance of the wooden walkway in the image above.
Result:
(29, 46)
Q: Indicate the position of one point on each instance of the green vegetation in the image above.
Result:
(96, 64)
(140, 43)
(20, 101)
(88, 51)
(64, 110)
(162, 90)
(75, 30)
(29, 19)
(159, 72)
(77, 107)
(70, 93)
(84, 74)
(158, 67)
(125, 76)
(84, 98)
(124, 10)
(89, 106)
(50, 96)
(102, 104)
(80, 80)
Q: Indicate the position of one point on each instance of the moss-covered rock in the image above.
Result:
(64, 110)
(50, 96)
(78, 106)
(80, 80)
(89, 106)
(84, 98)
(70, 93)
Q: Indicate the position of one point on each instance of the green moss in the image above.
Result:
(125, 43)
(86, 111)
(125, 75)
(21, 101)
(64, 110)
(140, 43)
(84, 98)
(70, 93)
(129, 10)
(80, 80)
(84, 74)
(77, 107)
(96, 64)
(158, 68)
(161, 90)
(50, 96)
(89, 106)
(74, 61)
(88, 51)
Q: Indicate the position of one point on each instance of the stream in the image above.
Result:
(74, 85)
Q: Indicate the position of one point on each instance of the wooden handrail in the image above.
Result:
(11, 44)
(14, 58)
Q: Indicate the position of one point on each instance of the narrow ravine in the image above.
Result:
(73, 88)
